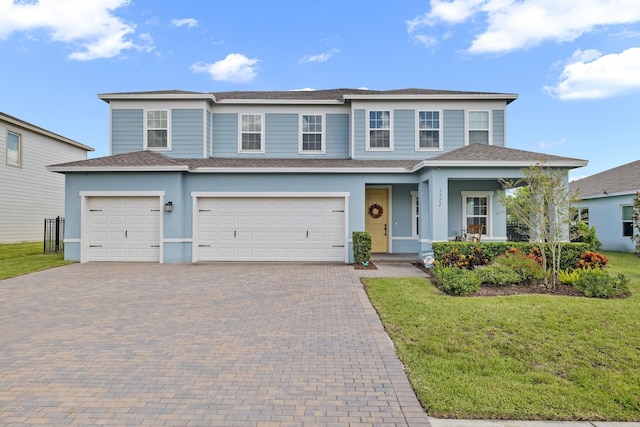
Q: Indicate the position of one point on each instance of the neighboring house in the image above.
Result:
(29, 192)
(606, 203)
(288, 176)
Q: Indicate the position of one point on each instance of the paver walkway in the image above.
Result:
(205, 344)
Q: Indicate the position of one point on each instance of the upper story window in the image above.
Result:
(251, 133)
(157, 130)
(312, 130)
(428, 131)
(478, 127)
(379, 130)
(627, 221)
(14, 149)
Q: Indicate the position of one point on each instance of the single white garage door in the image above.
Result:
(271, 229)
(124, 228)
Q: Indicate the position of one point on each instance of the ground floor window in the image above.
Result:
(477, 210)
(627, 221)
(581, 215)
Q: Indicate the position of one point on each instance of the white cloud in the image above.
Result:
(235, 68)
(547, 144)
(89, 26)
(306, 89)
(189, 22)
(425, 40)
(511, 25)
(591, 75)
(322, 57)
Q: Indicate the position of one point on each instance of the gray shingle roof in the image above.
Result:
(488, 153)
(135, 159)
(310, 95)
(621, 179)
(474, 155)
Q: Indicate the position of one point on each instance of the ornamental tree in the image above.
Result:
(545, 209)
(635, 235)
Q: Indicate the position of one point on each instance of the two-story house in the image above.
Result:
(288, 176)
(29, 192)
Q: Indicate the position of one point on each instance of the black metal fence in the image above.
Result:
(517, 232)
(54, 235)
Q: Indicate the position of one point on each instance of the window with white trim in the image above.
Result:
(379, 130)
(476, 209)
(428, 131)
(415, 214)
(312, 133)
(627, 221)
(14, 149)
(478, 127)
(157, 130)
(581, 215)
(251, 133)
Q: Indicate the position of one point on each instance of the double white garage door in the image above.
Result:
(226, 229)
(270, 229)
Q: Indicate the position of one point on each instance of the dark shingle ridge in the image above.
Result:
(484, 153)
(621, 179)
(320, 94)
(336, 94)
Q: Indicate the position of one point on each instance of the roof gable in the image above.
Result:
(37, 129)
(492, 154)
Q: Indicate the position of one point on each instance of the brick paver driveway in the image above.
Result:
(206, 344)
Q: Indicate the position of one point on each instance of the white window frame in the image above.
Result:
(301, 149)
(418, 129)
(488, 130)
(18, 163)
(488, 231)
(369, 129)
(261, 133)
(147, 129)
(623, 221)
(415, 214)
(579, 215)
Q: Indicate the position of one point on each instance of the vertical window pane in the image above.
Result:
(251, 125)
(379, 139)
(478, 120)
(478, 137)
(13, 149)
(312, 132)
(627, 213)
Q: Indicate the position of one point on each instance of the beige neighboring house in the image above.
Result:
(29, 193)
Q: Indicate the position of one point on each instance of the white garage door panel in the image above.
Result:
(124, 229)
(271, 229)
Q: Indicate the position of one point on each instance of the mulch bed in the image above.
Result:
(371, 266)
(497, 291)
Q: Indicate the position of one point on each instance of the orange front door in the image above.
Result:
(377, 218)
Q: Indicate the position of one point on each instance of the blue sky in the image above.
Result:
(574, 63)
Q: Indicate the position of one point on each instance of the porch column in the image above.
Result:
(438, 206)
(425, 229)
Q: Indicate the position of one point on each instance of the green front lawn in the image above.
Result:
(22, 258)
(517, 357)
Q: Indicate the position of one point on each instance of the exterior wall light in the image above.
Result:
(168, 207)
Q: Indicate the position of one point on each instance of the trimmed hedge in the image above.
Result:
(570, 255)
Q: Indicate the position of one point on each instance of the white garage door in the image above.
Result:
(271, 229)
(124, 228)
